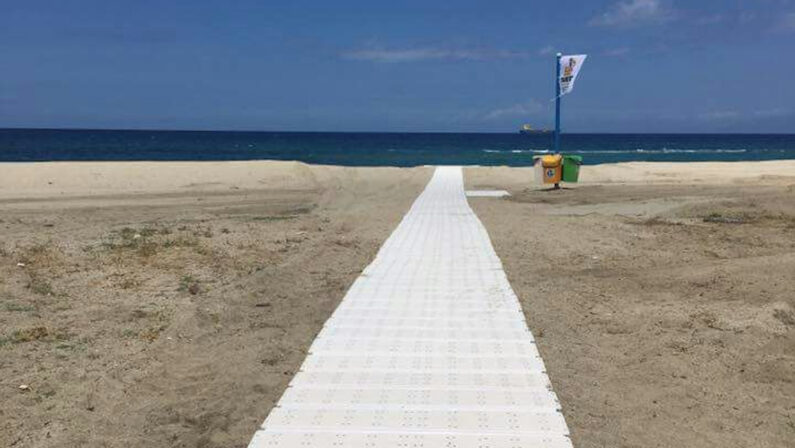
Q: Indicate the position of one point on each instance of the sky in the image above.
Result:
(424, 66)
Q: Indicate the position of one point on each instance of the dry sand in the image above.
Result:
(168, 304)
(661, 296)
(176, 316)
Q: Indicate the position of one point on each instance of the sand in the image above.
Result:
(168, 304)
(661, 297)
(175, 315)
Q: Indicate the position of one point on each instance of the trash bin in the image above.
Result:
(571, 168)
(538, 171)
(552, 168)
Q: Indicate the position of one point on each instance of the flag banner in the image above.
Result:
(569, 68)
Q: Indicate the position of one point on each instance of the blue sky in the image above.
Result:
(653, 66)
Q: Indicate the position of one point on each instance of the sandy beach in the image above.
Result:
(169, 304)
(661, 297)
(175, 315)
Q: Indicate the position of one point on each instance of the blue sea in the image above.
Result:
(393, 149)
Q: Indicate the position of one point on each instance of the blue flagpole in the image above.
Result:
(557, 103)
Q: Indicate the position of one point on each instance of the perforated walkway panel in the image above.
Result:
(429, 348)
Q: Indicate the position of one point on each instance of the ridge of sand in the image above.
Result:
(712, 173)
(59, 179)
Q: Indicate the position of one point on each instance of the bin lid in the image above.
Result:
(551, 161)
(572, 159)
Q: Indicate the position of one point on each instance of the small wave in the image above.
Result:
(516, 151)
(689, 151)
(622, 151)
(606, 151)
(657, 151)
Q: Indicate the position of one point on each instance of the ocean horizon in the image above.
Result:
(382, 148)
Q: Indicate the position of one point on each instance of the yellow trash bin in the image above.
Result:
(553, 168)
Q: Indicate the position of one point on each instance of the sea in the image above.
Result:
(383, 149)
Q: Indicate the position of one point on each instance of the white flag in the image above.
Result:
(569, 68)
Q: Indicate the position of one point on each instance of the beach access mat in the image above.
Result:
(487, 193)
(429, 348)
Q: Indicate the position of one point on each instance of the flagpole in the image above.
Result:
(557, 103)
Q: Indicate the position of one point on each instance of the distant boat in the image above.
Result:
(527, 129)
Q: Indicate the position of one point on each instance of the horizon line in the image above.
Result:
(374, 132)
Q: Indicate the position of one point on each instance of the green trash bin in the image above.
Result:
(571, 168)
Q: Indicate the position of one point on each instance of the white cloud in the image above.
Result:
(631, 13)
(771, 113)
(549, 49)
(746, 17)
(734, 115)
(522, 109)
(787, 22)
(720, 115)
(710, 20)
(616, 52)
(430, 53)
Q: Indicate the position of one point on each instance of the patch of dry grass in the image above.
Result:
(37, 333)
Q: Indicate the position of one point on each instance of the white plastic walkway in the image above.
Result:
(429, 348)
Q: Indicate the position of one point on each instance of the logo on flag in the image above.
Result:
(569, 68)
